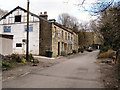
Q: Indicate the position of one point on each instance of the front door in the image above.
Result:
(58, 48)
(65, 46)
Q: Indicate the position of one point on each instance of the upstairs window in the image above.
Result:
(62, 34)
(71, 37)
(7, 29)
(18, 18)
(30, 28)
(68, 36)
(65, 35)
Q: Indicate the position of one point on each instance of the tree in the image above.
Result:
(109, 26)
(2, 12)
(94, 27)
(84, 35)
(68, 21)
(95, 7)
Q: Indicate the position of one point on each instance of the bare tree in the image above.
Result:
(68, 21)
(2, 12)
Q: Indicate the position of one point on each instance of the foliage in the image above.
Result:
(24, 61)
(36, 61)
(109, 27)
(2, 12)
(68, 21)
(108, 54)
(6, 64)
(14, 60)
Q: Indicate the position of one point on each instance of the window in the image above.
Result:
(65, 35)
(68, 36)
(7, 29)
(71, 37)
(59, 33)
(18, 18)
(62, 34)
(18, 44)
(55, 28)
(30, 28)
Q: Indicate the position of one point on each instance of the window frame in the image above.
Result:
(65, 35)
(19, 45)
(18, 18)
(30, 28)
(7, 29)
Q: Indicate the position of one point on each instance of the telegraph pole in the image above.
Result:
(27, 44)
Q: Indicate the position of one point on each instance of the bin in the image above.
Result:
(48, 53)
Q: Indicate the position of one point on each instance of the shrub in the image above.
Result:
(36, 61)
(104, 49)
(13, 58)
(108, 54)
(6, 65)
(24, 61)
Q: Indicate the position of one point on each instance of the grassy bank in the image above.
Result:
(107, 54)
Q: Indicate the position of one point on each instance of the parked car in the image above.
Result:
(90, 49)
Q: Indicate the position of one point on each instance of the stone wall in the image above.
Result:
(68, 41)
(45, 41)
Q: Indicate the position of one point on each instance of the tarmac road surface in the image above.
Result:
(80, 71)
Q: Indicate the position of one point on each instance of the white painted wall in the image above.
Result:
(18, 30)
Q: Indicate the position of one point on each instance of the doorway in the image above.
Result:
(58, 48)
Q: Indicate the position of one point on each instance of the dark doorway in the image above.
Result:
(58, 48)
(65, 46)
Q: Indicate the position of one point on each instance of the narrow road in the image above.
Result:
(80, 71)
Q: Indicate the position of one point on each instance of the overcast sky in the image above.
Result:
(53, 7)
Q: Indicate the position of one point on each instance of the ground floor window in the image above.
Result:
(18, 44)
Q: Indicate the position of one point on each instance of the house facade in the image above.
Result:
(57, 38)
(15, 23)
(44, 34)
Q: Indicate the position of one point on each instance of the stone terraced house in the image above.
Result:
(44, 34)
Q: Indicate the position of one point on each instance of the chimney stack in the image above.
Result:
(44, 15)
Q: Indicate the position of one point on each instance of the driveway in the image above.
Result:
(80, 71)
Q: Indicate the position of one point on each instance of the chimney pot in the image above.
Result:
(40, 13)
(45, 13)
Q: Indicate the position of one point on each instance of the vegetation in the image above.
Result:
(2, 12)
(68, 21)
(108, 54)
(11, 61)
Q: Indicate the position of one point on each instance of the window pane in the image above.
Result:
(7, 29)
(30, 28)
(18, 18)
(18, 44)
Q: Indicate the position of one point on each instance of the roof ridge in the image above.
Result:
(18, 7)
